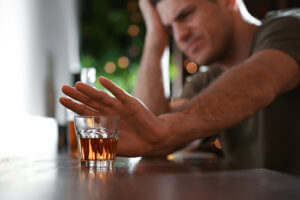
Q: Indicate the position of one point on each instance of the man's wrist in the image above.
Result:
(172, 131)
(155, 43)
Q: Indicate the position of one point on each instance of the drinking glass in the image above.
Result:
(97, 138)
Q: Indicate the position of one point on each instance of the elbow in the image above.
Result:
(265, 88)
(264, 96)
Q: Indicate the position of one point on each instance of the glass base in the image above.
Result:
(97, 164)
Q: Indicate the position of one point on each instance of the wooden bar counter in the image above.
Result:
(136, 178)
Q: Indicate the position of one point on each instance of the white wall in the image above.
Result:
(59, 31)
(15, 52)
(39, 46)
(38, 49)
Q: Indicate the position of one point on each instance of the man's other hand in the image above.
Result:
(156, 32)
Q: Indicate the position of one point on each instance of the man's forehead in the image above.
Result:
(168, 9)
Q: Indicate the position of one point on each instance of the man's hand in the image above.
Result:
(156, 33)
(141, 132)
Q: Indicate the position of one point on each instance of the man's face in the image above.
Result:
(202, 29)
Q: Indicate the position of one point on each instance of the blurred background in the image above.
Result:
(47, 43)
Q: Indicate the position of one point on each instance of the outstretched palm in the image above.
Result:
(140, 130)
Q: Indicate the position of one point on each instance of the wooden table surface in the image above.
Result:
(135, 178)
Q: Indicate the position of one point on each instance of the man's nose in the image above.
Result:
(181, 32)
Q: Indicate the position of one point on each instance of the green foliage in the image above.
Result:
(104, 38)
(173, 70)
(125, 81)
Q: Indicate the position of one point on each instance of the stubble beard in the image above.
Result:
(219, 52)
(219, 55)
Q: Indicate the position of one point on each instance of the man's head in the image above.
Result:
(202, 29)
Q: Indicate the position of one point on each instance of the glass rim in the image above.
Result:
(97, 116)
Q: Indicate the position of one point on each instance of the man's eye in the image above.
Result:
(186, 14)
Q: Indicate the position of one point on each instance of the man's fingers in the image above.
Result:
(77, 95)
(114, 89)
(77, 107)
(98, 95)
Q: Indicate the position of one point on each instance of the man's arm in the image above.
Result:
(149, 88)
(236, 95)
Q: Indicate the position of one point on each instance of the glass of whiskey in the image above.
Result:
(97, 138)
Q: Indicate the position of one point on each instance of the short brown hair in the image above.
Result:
(154, 2)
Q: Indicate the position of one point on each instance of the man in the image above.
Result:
(258, 84)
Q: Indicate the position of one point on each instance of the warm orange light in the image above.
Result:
(170, 157)
(191, 67)
(90, 122)
(91, 152)
(110, 67)
(123, 62)
(218, 144)
(133, 30)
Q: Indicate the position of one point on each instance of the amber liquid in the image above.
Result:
(73, 147)
(98, 149)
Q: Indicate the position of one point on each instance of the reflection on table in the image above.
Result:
(137, 178)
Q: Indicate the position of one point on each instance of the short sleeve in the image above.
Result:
(281, 33)
(194, 85)
(199, 81)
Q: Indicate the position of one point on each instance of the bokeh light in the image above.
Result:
(123, 62)
(191, 67)
(218, 144)
(133, 30)
(203, 68)
(110, 67)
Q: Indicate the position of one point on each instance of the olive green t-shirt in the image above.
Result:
(270, 138)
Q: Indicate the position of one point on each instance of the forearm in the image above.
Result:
(236, 95)
(228, 101)
(149, 88)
